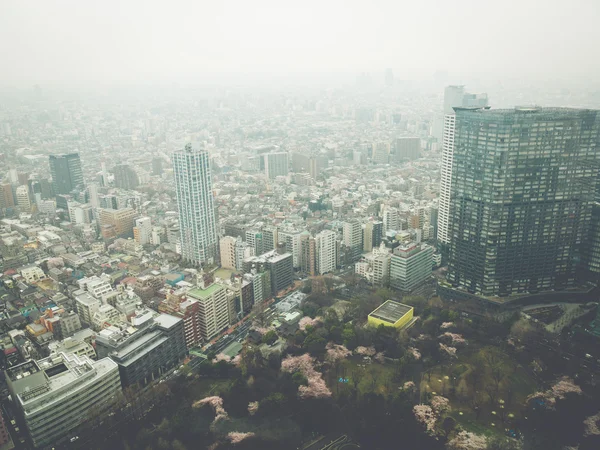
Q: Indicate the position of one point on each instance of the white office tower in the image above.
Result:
(391, 219)
(353, 238)
(142, 232)
(56, 394)
(23, 199)
(326, 247)
(227, 247)
(454, 96)
(193, 187)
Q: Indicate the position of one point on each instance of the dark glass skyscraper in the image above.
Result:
(523, 183)
(66, 173)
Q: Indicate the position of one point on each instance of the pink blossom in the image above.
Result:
(336, 352)
(558, 391)
(365, 351)
(440, 404)
(423, 337)
(466, 440)
(307, 321)
(409, 386)
(221, 357)
(305, 364)
(414, 353)
(450, 350)
(216, 403)
(252, 408)
(454, 337)
(425, 416)
(592, 425)
(236, 437)
(379, 357)
(446, 325)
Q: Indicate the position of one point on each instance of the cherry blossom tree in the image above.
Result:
(217, 404)
(307, 321)
(440, 404)
(426, 416)
(409, 386)
(592, 425)
(235, 437)
(558, 391)
(449, 350)
(365, 351)
(455, 338)
(336, 352)
(252, 408)
(379, 357)
(466, 440)
(412, 351)
(305, 364)
(446, 325)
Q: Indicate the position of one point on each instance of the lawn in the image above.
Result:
(451, 381)
(367, 376)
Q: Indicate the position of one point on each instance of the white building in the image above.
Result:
(193, 187)
(276, 164)
(326, 249)
(23, 199)
(411, 266)
(227, 246)
(86, 306)
(353, 238)
(33, 274)
(142, 232)
(54, 395)
(454, 96)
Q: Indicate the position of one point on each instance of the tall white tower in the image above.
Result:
(326, 251)
(193, 186)
(454, 96)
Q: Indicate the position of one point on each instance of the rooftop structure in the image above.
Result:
(391, 314)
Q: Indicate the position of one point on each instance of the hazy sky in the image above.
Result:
(171, 40)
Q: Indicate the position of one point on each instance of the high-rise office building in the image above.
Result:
(326, 251)
(381, 152)
(7, 199)
(193, 186)
(523, 183)
(280, 267)
(406, 148)
(125, 176)
(66, 172)
(454, 96)
(121, 221)
(276, 164)
(54, 395)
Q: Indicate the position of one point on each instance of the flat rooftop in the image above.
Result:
(391, 311)
(203, 294)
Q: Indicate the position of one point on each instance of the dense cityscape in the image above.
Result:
(375, 261)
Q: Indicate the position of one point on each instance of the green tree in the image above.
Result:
(270, 337)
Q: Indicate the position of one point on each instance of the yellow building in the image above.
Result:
(391, 314)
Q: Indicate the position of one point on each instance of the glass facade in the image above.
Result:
(523, 183)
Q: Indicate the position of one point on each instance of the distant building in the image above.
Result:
(227, 246)
(381, 152)
(188, 309)
(280, 267)
(142, 232)
(125, 176)
(121, 220)
(213, 309)
(193, 187)
(326, 252)
(55, 395)
(353, 238)
(406, 148)
(66, 172)
(23, 199)
(276, 164)
(145, 350)
(410, 266)
(7, 200)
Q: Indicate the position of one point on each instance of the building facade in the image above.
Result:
(410, 266)
(523, 183)
(193, 186)
(326, 251)
(66, 172)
